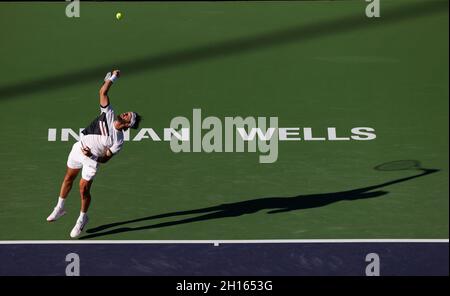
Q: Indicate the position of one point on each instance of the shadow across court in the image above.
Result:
(300, 33)
(274, 205)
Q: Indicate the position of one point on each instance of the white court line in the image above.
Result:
(217, 242)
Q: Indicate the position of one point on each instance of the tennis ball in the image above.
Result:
(118, 15)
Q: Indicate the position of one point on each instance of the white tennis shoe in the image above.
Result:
(56, 214)
(79, 226)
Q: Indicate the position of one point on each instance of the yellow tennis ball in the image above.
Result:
(118, 15)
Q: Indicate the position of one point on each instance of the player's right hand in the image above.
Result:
(86, 151)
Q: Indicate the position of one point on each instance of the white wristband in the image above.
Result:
(113, 78)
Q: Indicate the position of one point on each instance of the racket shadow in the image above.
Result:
(273, 205)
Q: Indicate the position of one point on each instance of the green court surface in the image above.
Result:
(312, 64)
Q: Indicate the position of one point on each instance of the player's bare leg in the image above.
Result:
(66, 185)
(85, 194)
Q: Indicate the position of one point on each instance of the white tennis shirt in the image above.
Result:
(101, 134)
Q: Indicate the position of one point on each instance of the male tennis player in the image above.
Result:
(100, 141)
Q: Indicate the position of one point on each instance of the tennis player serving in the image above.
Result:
(98, 143)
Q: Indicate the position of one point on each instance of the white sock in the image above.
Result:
(60, 202)
(82, 216)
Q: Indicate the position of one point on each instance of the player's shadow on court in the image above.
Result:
(273, 204)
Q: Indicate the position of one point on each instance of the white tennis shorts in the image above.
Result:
(78, 160)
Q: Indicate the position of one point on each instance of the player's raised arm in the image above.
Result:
(109, 80)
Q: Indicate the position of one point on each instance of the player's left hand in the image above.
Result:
(116, 72)
(108, 75)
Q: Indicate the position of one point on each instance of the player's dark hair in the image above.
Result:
(138, 120)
